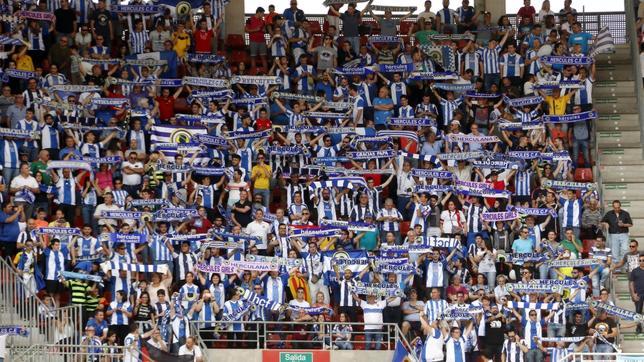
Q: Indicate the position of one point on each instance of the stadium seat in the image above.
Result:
(405, 26)
(584, 175)
(315, 27)
(235, 41)
(404, 227)
(317, 40)
(588, 244)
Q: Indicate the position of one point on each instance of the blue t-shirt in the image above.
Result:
(380, 117)
(522, 246)
(8, 231)
(580, 38)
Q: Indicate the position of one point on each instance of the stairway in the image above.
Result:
(620, 159)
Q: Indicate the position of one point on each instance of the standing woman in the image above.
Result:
(144, 313)
(452, 221)
(485, 258)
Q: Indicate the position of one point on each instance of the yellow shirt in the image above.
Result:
(557, 106)
(181, 44)
(25, 63)
(262, 176)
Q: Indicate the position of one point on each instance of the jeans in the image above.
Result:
(87, 211)
(556, 330)
(603, 348)
(41, 205)
(266, 195)
(8, 174)
(400, 205)
(491, 279)
(534, 355)
(618, 245)
(346, 345)
(354, 41)
(584, 145)
(374, 336)
(490, 79)
(599, 279)
(29, 209)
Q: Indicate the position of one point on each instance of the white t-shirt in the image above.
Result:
(196, 351)
(373, 314)
(261, 230)
(19, 182)
(103, 207)
(132, 179)
(295, 303)
(451, 220)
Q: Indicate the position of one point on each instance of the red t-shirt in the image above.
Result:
(203, 41)
(166, 107)
(526, 12)
(256, 36)
(262, 124)
(499, 186)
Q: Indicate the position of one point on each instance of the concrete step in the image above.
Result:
(633, 346)
(634, 208)
(609, 88)
(621, 156)
(624, 191)
(619, 139)
(616, 106)
(618, 122)
(638, 226)
(617, 73)
(621, 173)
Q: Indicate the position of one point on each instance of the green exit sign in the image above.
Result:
(296, 357)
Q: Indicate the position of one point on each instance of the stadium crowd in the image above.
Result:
(429, 169)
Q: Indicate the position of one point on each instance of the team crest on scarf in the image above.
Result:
(180, 136)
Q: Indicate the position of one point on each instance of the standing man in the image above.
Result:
(617, 221)
(256, 28)
(636, 287)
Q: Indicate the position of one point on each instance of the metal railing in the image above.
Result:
(300, 335)
(631, 21)
(73, 353)
(582, 357)
(20, 306)
(590, 22)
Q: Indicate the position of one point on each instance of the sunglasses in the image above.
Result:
(633, 246)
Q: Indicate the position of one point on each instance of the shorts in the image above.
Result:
(257, 48)
(53, 286)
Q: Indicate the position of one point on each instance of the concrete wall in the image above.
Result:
(255, 355)
(234, 19)
(496, 7)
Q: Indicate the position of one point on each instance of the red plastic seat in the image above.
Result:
(587, 244)
(405, 26)
(235, 41)
(404, 227)
(315, 27)
(584, 175)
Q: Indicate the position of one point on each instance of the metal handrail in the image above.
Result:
(257, 334)
(591, 22)
(22, 307)
(70, 353)
(631, 29)
(588, 356)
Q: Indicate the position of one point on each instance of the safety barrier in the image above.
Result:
(590, 22)
(300, 335)
(19, 306)
(623, 357)
(73, 353)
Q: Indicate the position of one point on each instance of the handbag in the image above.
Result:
(457, 229)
